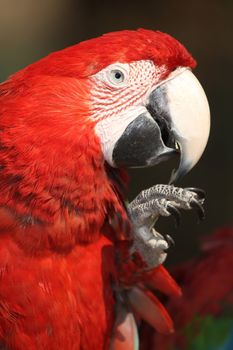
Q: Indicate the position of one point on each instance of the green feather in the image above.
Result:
(208, 332)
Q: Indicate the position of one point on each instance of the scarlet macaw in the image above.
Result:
(76, 263)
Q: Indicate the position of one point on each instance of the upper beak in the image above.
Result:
(180, 108)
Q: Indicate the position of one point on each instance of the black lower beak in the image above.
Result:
(141, 144)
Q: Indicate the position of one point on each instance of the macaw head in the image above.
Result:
(146, 101)
(135, 90)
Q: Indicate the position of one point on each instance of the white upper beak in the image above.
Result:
(190, 118)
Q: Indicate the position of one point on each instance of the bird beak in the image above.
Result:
(180, 108)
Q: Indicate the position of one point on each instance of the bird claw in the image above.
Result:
(201, 193)
(175, 212)
(161, 200)
(170, 241)
(199, 208)
(165, 200)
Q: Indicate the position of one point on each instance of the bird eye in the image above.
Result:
(116, 76)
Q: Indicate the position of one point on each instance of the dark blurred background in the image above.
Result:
(30, 30)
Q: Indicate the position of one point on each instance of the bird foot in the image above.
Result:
(151, 245)
(145, 209)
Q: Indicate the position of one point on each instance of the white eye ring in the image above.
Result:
(116, 76)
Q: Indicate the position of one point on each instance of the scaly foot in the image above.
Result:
(145, 209)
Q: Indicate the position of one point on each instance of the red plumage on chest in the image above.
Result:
(57, 301)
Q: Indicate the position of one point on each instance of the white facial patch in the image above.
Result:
(120, 86)
(109, 130)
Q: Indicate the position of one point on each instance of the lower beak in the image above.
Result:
(141, 144)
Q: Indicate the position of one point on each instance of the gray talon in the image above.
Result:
(175, 212)
(200, 210)
(201, 193)
(170, 241)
